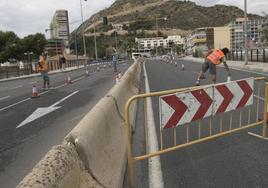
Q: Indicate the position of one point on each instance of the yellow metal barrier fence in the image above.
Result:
(231, 128)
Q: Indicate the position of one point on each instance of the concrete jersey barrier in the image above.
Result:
(100, 136)
(61, 167)
(93, 154)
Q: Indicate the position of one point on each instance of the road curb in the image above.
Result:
(262, 70)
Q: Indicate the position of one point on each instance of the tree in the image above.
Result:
(34, 43)
(12, 47)
(264, 31)
(8, 44)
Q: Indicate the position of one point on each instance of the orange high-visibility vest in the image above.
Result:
(215, 56)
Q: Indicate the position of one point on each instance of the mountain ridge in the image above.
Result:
(182, 15)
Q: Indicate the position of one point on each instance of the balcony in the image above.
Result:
(202, 40)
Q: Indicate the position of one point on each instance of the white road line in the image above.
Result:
(195, 72)
(44, 92)
(261, 98)
(155, 171)
(3, 98)
(258, 136)
(2, 109)
(33, 82)
(77, 79)
(16, 87)
(60, 86)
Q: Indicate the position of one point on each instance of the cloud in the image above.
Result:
(256, 6)
(26, 17)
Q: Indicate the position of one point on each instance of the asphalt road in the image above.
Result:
(235, 160)
(21, 147)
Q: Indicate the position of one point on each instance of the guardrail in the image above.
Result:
(27, 69)
(258, 55)
(94, 153)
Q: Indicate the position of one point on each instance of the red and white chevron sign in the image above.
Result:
(181, 108)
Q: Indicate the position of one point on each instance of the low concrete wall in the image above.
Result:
(94, 153)
(100, 136)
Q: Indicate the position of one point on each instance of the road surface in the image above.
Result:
(236, 160)
(25, 139)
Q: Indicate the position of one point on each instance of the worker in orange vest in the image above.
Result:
(44, 70)
(213, 58)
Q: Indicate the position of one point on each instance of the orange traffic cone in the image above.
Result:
(34, 92)
(119, 75)
(69, 80)
(182, 67)
(87, 73)
(117, 79)
(266, 114)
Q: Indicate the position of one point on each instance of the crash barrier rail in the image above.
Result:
(94, 153)
(14, 71)
(258, 55)
(197, 114)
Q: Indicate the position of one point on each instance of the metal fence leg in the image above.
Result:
(264, 126)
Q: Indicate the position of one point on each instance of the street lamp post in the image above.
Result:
(83, 28)
(245, 32)
(95, 41)
(115, 35)
(76, 50)
(28, 54)
(156, 23)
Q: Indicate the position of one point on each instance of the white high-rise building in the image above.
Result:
(59, 26)
(237, 32)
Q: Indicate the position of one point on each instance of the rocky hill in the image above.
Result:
(184, 15)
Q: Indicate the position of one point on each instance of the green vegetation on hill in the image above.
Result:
(136, 16)
(184, 15)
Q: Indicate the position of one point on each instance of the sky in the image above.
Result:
(26, 17)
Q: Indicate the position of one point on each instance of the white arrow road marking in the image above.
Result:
(39, 112)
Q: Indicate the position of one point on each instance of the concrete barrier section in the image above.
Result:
(61, 167)
(100, 136)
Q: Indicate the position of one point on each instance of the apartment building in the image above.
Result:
(200, 41)
(152, 43)
(59, 32)
(238, 36)
(59, 26)
(222, 37)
